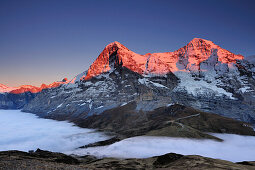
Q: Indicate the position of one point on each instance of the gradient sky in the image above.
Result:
(42, 41)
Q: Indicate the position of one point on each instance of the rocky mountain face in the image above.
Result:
(15, 101)
(17, 97)
(109, 90)
(200, 74)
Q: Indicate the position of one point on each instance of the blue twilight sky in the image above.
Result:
(42, 41)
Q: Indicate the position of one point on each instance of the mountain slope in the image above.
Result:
(103, 92)
(175, 121)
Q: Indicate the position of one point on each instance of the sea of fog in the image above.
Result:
(234, 148)
(25, 131)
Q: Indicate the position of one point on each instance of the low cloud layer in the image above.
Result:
(234, 148)
(25, 131)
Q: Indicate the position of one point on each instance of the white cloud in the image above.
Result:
(234, 148)
(25, 131)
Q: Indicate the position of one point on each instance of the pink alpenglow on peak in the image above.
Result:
(30, 88)
(131, 60)
(4, 88)
(185, 59)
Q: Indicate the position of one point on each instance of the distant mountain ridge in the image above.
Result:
(30, 88)
(4, 88)
(17, 97)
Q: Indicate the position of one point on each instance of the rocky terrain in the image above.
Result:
(49, 160)
(15, 101)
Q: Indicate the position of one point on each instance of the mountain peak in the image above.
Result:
(113, 51)
(201, 40)
(114, 43)
(4, 88)
(115, 46)
(198, 42)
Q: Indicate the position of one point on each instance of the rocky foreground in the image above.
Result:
(49, 160)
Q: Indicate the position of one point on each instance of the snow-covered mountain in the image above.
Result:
(201, 74)
(200, 58)
(187, 58)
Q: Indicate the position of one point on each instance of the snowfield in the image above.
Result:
(200, 87)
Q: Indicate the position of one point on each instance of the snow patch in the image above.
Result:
(171, 104)
(245, 89)
(201, 87)
(123, 104)
(99, 107)
(148, 82)
(52, 97)
(59, 105)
